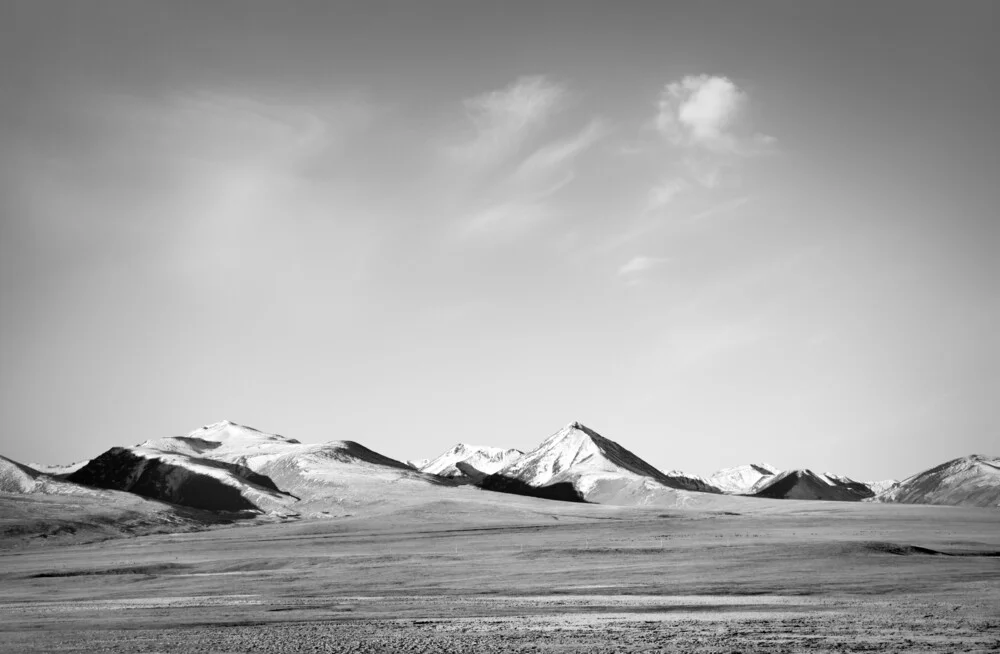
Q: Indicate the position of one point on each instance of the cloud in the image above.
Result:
(517, 206)
(703, 111)
(705, 120)
(560, 153)
(665, 192)
(524, 196)
(504, 188)
(640, 264)
(503, 118)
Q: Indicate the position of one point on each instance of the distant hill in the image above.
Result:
(967, 481)
(807, 485)
(577, 463)
(226, 466)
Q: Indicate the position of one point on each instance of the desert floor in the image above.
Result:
(491, 573)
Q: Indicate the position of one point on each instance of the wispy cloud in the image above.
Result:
(558, 154)
(503, 118)
(638, 266)
(665, 192)
(512, 189)
(519, 207)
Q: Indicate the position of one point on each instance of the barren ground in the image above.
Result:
(495, 574)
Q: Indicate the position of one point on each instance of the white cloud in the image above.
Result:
(665, 192)
(507, 190)
(518, 206)
(640, 264)
(503, 118)
(708, 111)
(560, 153)
(700, 110)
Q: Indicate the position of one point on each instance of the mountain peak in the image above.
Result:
(576, 446)
(227, 430)
(482, 458)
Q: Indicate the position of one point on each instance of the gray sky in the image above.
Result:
(715, 232)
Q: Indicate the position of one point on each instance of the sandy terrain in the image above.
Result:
(525, 575)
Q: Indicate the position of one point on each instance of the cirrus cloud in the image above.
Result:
(503, 118)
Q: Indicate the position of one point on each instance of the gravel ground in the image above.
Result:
(510, 624)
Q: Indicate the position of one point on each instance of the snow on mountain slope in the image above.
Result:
(807, 485)
(417, 464)
(577, 463)
(478, 458)
(16, 477)
(325, 479)
(742, 479)
(967, 481)
(56, 470)
(879, 487)
(182, 479)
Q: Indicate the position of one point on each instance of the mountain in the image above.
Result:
(58, 470)
(967, 481)
(19, 479)
(470, 461)
(178, 478)
(879, 487)
(578, 464)
(740, 480)
(16, 477)
(227, 466)
(36, 507)
(807, 485)
(417, 464)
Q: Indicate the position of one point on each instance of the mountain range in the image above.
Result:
(231, 468)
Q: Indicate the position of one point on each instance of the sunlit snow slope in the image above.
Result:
(470, 460)
(968, 481)
(577, 463)
(742, 479)
(233, 467)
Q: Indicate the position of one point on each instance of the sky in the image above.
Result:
(717, 233)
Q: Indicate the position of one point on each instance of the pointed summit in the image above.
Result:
(807, 485)
(582, 464)
(576, 445)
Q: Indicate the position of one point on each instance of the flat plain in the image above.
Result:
(484, 572)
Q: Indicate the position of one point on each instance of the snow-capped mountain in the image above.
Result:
(475, 460)
(808, 485)
(16, 477)
(577, 463)
(417, 464)
(968, 481)
(178, 478)
(235, 467)
(879, 487)
(743, 479)
(58, 470)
